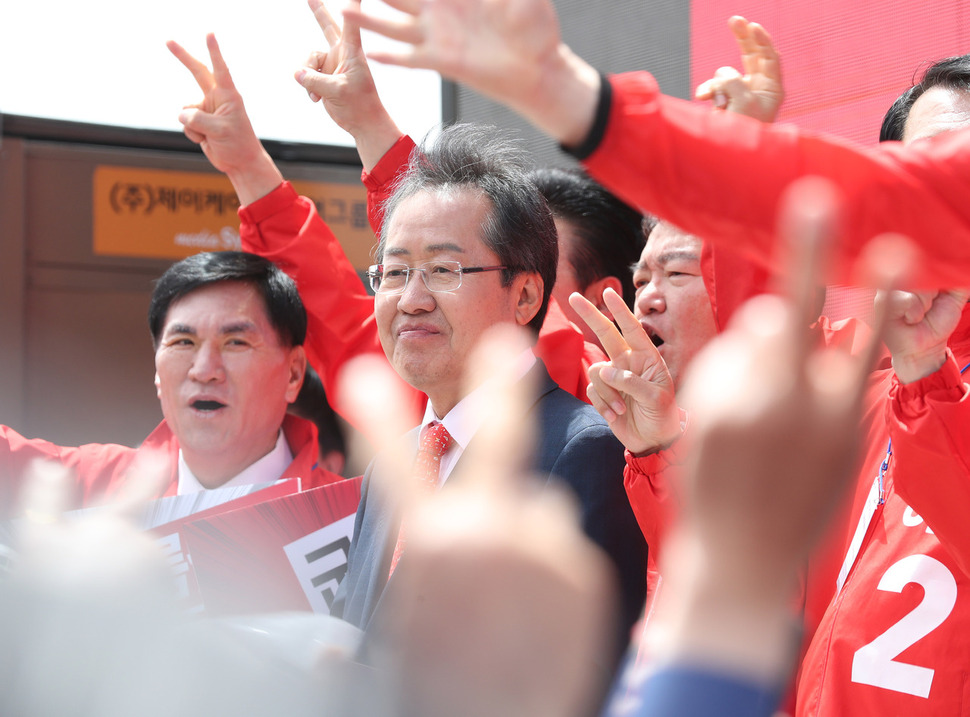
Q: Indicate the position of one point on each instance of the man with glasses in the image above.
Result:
(468, 244)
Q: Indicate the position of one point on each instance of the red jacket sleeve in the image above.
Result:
(929, 424)
(382, 178)
(286, 229)
(721, 176)
(97, 469)
(648, 481)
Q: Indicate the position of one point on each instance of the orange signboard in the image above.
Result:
(165, 214)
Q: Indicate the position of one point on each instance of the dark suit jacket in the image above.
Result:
(575, 447)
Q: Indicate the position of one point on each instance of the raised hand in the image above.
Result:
(757, 93)
(509, 50)
(919, 325)
(220, 125)
(633, 391)
(342, 79)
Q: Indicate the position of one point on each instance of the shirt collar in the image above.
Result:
(267, 469)
(464, 420)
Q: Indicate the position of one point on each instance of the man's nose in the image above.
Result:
(207, 364)
(650, 300)
(416, 296)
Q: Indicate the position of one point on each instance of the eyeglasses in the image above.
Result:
(437, 275)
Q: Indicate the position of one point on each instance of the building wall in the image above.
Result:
(614, 37)
(76, 358)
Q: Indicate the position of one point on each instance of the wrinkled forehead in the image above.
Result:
(221, 300)
(450, 219)
(938, 110)
(665, 239)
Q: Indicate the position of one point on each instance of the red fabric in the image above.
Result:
(286, 229)
(909, 580)
(101, 469)
(721, 176)
(692, 157)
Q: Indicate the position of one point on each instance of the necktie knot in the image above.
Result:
(436, 440)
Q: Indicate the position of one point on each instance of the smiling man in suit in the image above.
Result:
(469, 244)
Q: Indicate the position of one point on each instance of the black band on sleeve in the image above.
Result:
(600, 119)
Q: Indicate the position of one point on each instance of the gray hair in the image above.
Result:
(519, 227)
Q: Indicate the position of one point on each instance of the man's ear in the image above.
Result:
(527, 288)
(594, 292)
(297, 369)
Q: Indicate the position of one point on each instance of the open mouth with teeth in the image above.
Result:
(207, 405)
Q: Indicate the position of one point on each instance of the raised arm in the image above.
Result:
(219, 124)
(509, 50)
(633, 391)
(637, 141)
(928, 413)
(285, 228)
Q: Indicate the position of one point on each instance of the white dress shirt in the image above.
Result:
(267, 469)
(464, 420)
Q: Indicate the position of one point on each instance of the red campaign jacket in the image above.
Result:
(685, 163)
(919, 191)
(896, 638)
(101, 469)
(286, 229)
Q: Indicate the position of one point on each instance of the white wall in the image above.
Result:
(105, 62)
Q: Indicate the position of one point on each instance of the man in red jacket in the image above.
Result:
(228, 330)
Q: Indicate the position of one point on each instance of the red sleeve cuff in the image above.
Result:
(389, 166)
(633, 93)
(943, 385)
(265, 207)
(654, 463)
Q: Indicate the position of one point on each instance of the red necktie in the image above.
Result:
(435, 440)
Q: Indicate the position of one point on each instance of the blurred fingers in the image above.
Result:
(376, 401)
(497, 458)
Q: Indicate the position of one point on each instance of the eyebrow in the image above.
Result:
(240, 327)
(430, 249)
(681, 255)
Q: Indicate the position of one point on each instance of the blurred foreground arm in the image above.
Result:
(637, 141)
(505, 608)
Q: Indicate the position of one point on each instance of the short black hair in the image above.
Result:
(283, 304)
(610, 231)
(953, 73)
(312, 404)
(519, 227)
